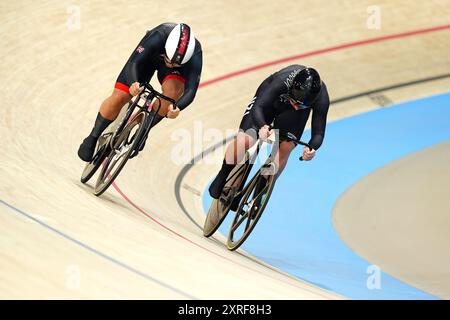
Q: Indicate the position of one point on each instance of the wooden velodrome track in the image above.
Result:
(57, 240)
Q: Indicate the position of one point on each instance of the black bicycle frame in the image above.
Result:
(242, 189)
(151, 94)
(296, 141)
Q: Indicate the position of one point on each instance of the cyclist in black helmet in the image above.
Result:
(285, 98)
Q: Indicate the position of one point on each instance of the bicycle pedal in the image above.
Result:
(224, 200)
(227, 196)
(103, 139)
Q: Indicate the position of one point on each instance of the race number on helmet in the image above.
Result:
(180, 44)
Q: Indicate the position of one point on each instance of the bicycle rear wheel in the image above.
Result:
(255, 198)
(127, 141)
(220, 207)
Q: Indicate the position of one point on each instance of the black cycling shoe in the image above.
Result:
(216, 187)
(87, 148)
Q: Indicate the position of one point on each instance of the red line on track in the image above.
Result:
(154, 220)
(188, 240)
(322, 51)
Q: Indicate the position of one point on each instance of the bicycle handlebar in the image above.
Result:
(148, 86)
(296, 141)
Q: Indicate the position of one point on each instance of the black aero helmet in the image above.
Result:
(306, 87)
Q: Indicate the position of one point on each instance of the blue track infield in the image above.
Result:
(295, 233)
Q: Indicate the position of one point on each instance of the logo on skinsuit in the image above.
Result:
(291, 136)
(140, 49)
(250, 106)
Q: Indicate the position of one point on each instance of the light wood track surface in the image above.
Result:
(54, 78)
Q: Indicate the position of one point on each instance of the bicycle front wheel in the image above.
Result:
(251, 207)
(127, 141)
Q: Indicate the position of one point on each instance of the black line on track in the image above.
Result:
(188, 166)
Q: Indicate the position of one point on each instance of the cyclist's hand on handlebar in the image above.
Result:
(308, 154)
(264, 132)
(173, 112)
(135, 89)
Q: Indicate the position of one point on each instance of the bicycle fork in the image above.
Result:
(148, 125)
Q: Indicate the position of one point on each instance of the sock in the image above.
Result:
(100, 125)
(217, 185)
(226, 169)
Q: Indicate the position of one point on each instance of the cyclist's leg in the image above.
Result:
(234, 154)
(108, 112)
(282, 156)
(172, 86)
(287, 122)
(237, 148)
(245, 139)
(290, 123)
(111, 106)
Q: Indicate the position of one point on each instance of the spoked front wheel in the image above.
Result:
(125, 143)
(251, 206)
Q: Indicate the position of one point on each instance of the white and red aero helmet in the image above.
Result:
(180, 44)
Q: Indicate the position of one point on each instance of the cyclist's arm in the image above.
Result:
(150, 46)
(319, 120)
(192, 82)
(268, 92)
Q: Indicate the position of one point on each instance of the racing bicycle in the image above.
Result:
(248, 200)
(114, 148)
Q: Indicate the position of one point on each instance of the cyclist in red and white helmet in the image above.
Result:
(170, 49)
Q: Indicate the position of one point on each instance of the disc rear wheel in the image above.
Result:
(251, 207)
(219, 207)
